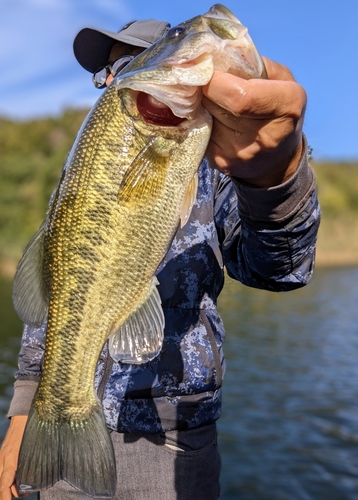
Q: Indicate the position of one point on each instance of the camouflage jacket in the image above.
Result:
(263, 237)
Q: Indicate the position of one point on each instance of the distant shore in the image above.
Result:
(344, 258)
(337, 243)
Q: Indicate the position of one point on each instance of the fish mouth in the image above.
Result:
(156, 112)
(168, 94)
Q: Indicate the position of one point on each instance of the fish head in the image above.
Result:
(173, 71)
(157, 98)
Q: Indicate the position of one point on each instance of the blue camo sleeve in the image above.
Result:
(31, 352)
(268, 236)
(29, 371)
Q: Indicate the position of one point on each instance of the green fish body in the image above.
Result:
(129, 181)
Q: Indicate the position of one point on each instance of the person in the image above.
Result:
(257, 215)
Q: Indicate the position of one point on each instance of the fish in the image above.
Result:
(129, 182)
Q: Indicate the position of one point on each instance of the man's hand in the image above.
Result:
(9, 454)
(257, 130)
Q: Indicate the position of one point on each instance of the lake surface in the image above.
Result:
(289, 428)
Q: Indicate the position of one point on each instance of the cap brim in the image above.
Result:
(92, 47)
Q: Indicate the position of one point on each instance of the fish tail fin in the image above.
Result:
(79, 452)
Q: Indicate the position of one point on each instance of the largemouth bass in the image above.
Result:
(129, 181)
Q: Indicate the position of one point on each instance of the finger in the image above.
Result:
(14, 491)
(224, 160)
(227, 146)
(238, 123)
(256, 98)
(5, 488)
(277, 71)
(238, 132)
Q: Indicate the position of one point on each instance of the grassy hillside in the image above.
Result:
(32, 154)
(338, 195)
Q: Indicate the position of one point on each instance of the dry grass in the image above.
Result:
(337, 243)
(338, 195)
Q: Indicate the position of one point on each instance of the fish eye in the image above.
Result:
(176, 31)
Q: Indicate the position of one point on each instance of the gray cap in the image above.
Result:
(92, 46)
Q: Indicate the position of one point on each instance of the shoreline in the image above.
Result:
(345, 260)
(348, 259)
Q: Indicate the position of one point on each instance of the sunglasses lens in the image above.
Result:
(99, 78)
(119, 64)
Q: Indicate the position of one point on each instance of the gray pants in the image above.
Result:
(151, 467)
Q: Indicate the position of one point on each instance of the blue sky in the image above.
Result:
(318, 41)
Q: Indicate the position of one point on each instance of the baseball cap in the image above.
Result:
(92, 46)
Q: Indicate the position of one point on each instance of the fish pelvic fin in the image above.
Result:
(140, 338)
(81, 453)
(189, 200)
(30, 294)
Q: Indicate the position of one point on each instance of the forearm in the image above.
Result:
(273, 245)
(24, 391)
(270, 208)
(281, 259)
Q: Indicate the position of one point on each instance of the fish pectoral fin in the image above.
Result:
(30, 294)
(140, 338)
(189, 200)
(145, 175)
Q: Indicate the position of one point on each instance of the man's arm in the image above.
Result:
(27, 378)
(268, 235)
(268, 230)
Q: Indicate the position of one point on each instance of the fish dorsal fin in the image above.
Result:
(30, 295)
(189, 200)
(144, 178)
(140, 338)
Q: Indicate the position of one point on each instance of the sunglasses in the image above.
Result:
(100, 76)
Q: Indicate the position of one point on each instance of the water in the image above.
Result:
(289, 428)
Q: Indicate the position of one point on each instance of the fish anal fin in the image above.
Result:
(30, 294)
(140, 338)
(189, 200)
